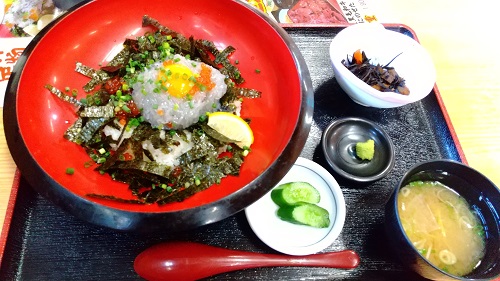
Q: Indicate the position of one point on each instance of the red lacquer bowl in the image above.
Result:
(92, 33)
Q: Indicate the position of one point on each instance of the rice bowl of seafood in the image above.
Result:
(158, 119)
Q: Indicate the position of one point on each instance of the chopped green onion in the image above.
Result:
(70, 171)
(134, 122)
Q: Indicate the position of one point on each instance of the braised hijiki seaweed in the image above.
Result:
(144, 120)
(381, 77)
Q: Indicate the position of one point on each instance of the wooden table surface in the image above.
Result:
(460, 37)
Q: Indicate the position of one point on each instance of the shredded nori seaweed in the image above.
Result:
(73, 132)
(117, 199)
(97, 76)
(91, 127)
(149, 21)
(244, 92)
(214, 134)
(119, 60)
(98, 111)
(63, 96)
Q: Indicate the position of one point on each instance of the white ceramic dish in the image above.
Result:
(296, 239)
(414, 64)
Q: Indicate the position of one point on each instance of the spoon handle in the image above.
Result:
(192, 261)
(346, 259)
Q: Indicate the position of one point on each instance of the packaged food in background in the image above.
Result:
(316, 11)
(25, 18)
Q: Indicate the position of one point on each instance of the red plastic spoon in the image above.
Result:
(191, 261)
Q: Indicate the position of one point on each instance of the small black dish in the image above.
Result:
(339, 146)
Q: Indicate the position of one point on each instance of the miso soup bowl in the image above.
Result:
(481, 194)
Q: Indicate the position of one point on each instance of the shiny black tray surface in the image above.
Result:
(44, 243)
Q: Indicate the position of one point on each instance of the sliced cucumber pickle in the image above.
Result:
(292, 193)
(305, 214)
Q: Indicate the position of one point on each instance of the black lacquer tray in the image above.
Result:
(45, 243)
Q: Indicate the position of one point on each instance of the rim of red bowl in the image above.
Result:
(179, 217)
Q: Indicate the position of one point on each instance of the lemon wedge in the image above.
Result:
(232, 127)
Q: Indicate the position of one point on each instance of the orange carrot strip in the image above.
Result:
(358, 57)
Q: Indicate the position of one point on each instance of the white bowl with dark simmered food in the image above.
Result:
(346, 142)
(295, 238)
(382, 47)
